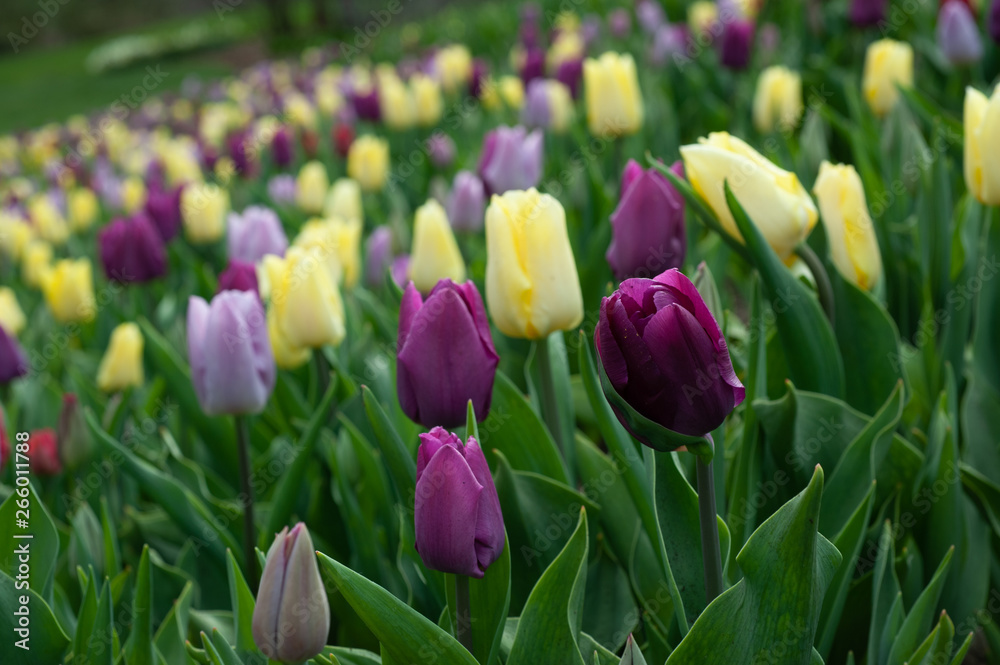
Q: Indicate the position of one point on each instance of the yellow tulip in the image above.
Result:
(133, 194)
(339, 244)
(300, 111)
(849, 229)
(427, 99)
(561, 107)
(15, 234)
(81, 203)
(180, 162)
(344, 200)
(368, 162)
(888, 63)
(702, 17)
(121, 366)
(454, 66)
(567, 47)
(35, 262)
(11, 317)
(69, 290)
(511, 91)
(611, 92)
(532, 287)
(286, 356)
(48, 221)
(435, 254)
(982, 145)
(772, 197)
(399, 110)
(204, 207)
(311, 186)
(305, 299)
(777, 103)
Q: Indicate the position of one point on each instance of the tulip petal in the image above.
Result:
(445, 536)
(238, 353)
(197, 324)
(431, 442)
(304, 616)
(272, 582)
(607, 348)
(490, 536)
(646, 384)
(474, 302)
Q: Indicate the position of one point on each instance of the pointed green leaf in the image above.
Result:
(44, 640)
(885, 593)
(242, 601)
(400, 462)
(632, 655)
(100, 639)
(172, 633)
(139, 648)
(921, 615)
(43, 542)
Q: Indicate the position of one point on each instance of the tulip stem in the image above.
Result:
(711, 553)
(463, 612)
(823, 286)
(243, 447)
(550, 404)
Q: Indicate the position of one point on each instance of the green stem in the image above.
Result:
(823, 286)
(550, 404)
(243, 447)
(711, 553)
(463, 612)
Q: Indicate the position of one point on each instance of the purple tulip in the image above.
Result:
(867, 12)
(366, 104)
(665, 355)
(281, 189)
(511, 159)
(650, 15)
(958, 35)
(590, 29)
(467, 202)
(648, 232)
(569, 73)
(13, 363)
(254, 234)
(994, 22)
(132, 250)
(238, 276)
(282, 147)
(236, 143)
(445, 354)
(164, 208)
(400, 266)
(457, 518)
(441, 149)
(536, 111)
(378, 255)
(232, 366)
(669, 40)
(534, 65)
(291, 618)
(736, 41)
(479, 72)
(620, 22)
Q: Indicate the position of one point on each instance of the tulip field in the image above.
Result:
(569, 333)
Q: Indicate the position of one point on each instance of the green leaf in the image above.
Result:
(632, 655)
(112, 552)
(186, 509)
(46, 641)
(885, 594)
(219, 650)
(549, 626)
(139, 647)
(172, 633)
(100, 638)
(921, 615)
(489, 599)
(937, 647)
(405, 635)
(23, 503)
(242, 601)
(290, 484)
(806, 336)
(769, 606)
(398, 458)
(609, 607)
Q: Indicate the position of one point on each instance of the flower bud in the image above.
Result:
(981, 117)
(69, 290)
(291, 619)
(958, 34)
(511, 159)
(777, 103)
(378, 256)
(435, 254)
(203, 210)
(13, 362)
(132, 250)
(43, 450)
(368, 162)
(305, 299)
(888, 63)
(849, 229)
(457, 519)
(255, 233)
(121, 366)
(311, 187)
(164, 208)
(611, 91)
(867, 12)
(467, 202)
(238, 276)
(11, 317)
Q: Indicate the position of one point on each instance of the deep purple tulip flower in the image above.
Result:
(648, 232)
(467, 202)
(479, 72)
(867, 12)
(282, 147)
(366, 104)
(238, 276)
(457, 518)
(736, 42)
(570, 73)
(132, 250)
(13, 363)
(994, 22)
(236, 143)
(445, 355)
(164, 207)
(254, 234)
(232, 366)
(511, 159)
(665, 355)
(958, 34)
(378, 255)
(534, 65)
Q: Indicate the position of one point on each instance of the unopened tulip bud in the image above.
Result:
(121, 366)
(254, 234)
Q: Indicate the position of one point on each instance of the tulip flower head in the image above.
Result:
(511, 159)
(777, 103)
(958, 34)
(11, 316)
(445, 354)
(310, 187)
(435, 254)
(458, 523)
(867, 12)
(68, 287)
(981, 117)
(849, 228)
(254, 233)
(132, 250)
(378, 255)
(665, 355)
(291, 618)
(121, 366)
(305, 299)
(888, 63)
(612, 95)
(43, 449)
(13, 362)
(232, 365)
(204, 207)
(368, 162)
(164, 208)
(993, 25)
(467, 202)
(238, 276)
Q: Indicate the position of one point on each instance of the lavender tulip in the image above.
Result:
(400, 266)
(957, 33)
(281, 189)
(232, 366)
(441, 150)
(665, 355)
(238, 276)
(620, 22)
(650, 15)
(648, 232)
(445, 354)
(378, 255)
(458, 523)
(467, 202)
(511, 159)
(536, 112)
(254, 234)
(291, 619)
(13, 363)
(736, 41)
(867, 12)
(164, 209)
(669, 40)
(132, 250)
